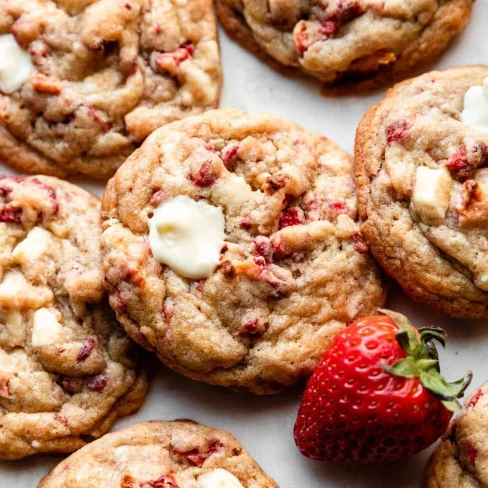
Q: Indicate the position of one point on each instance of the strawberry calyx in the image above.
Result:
(422, 361)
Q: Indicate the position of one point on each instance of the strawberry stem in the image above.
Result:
(422, 361)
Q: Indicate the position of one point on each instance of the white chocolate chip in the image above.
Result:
(475, 112)
(15, 64)
(121, 454)
(36, 444)
(187, 236)
(16, 292)
(33, 246)
(219, 478)
(46, 329)
(432, 193)
(232, 190)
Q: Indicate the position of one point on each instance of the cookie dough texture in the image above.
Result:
(107, 73)
(67, 369)
(423, 191)
(158, 454)
(461, 459)
(348, 44)
(293, 272)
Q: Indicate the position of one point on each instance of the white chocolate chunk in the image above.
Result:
(231, 191)
(121, 454)
(219, 478)
(432, 193)
(46, 329)
(16, 292)
(15, 64)
(475, 112)
(33, 246)
(187, 236)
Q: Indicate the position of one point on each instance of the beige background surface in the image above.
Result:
(264, 425)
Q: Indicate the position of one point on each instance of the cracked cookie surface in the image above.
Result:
(461, 459)
(422, 182)
(179, 454)
(348, 44)
(67, 369)
(97, 87)
(294, 269)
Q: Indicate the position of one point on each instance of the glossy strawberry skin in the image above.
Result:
(354, 411)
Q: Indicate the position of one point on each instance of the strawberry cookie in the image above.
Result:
(180, 454)
(79, 93)
(422, 177)
(67, 370)
(461, 458)
(231, 248)
(349, 44)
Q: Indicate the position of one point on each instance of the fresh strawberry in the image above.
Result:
(377, 394)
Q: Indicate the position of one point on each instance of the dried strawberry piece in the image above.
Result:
(262, 247)
(346, 11)
(8, 214)
(289, 217)
(397, 131)
(4, 393)
(459, 164)
(254, 326)
(300, 37)
(206, 177)
(229, 154)
(86, 349)
(359, 243)
(51, 193)
(197, 457)
(471, 453)
(171, 61)
(168, 309)
(475, 398)
(162, 482)
(98, 382)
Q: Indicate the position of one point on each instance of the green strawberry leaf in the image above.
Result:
(422, 361)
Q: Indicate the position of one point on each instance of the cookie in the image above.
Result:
(351, 45)
(422, 189)
(179, 454)
(231, 248)
(461, 459)
(67, 369)
(78, 93)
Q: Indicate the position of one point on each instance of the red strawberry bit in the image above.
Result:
(11, 215)
(171, 61)
(163, 482)
(471, 453)
(262, 248)
(459, 164)
(339, 207)
(397, 132)
(51, 194)
(229, 154)
(289, 217)
(359, 243)
(474, 399)
(4, 393)
(168, 309)
(156, 198)
(4, 191)
(86, 349)
(97, 383)
(197, 457)
(346, 11)
(66, 384)
(206, 177)
(100, 119)
(300, 38)
(254, 327)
